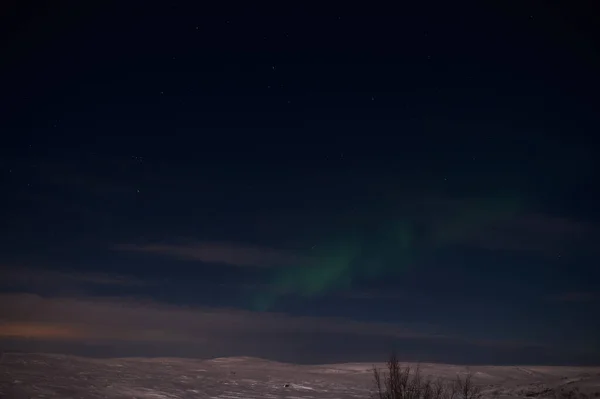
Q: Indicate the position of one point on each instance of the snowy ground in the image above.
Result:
(59, 376)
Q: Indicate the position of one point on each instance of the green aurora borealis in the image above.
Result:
(391, 250)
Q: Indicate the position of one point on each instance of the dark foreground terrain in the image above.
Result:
(60, 376)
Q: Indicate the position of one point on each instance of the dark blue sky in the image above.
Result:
(304, 186)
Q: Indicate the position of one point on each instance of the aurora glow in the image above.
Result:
(399, 246)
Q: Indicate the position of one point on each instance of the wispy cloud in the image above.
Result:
(205, 331)
(543, 234)
(37, 330)
(46, 276)
(52, 282)
(219, 252)
(125, 326)
(90, 318)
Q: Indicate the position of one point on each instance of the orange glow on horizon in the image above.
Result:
(40, 331)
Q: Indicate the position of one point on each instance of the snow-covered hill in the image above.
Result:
(61, 376)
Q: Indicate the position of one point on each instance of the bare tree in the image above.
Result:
(404, 383)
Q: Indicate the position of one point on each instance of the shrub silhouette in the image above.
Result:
(404, 383)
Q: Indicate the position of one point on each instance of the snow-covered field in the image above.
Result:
(60, 376)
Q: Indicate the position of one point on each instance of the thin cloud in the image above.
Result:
(537, 233)
(37, 330)
(128, 327)
(219, 252)
(43, 279)
(501, 224)
(118, 321)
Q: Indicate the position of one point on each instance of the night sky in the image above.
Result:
(302, 185)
